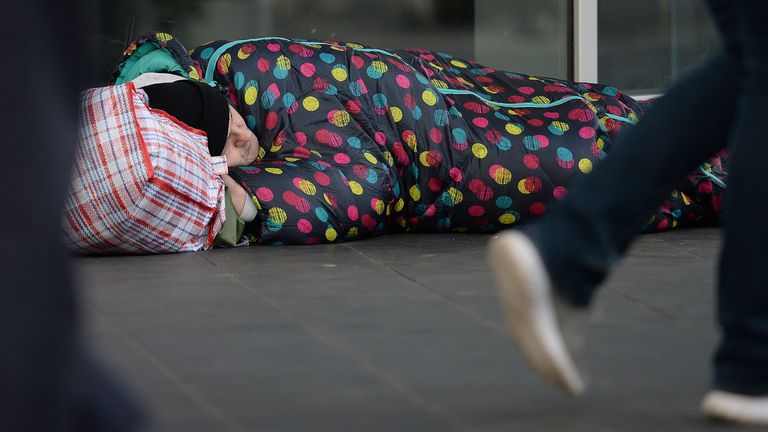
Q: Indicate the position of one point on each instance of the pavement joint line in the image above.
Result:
(445, 297)
(419, 399)
(186, 388)
(643, 304)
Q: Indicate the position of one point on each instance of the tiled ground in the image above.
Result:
(400, 333)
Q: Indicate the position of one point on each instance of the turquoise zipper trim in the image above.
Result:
(712, 177)
(211, 69)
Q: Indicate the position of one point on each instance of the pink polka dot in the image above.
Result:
(537, 208)
(307, 69)
(273, 47)
(480, 122)
(581, 114)
(302, 205)
(263, 65)
(531, 161)
(431, 210)
(613, 109)
(304, 226)
(560, 192)
(705, 187)
(587, 132)
(403, 81)
(301, 138)
(552, 115)
(323, 136)
(358, 62)
(271, 120)
(493, 136)
(360, 171)
(476, 211)
(290, 197)
(535, 122)
(264, 194)
(353, 107)
(368, 222)
(435, 184)
(455, 174)
(352, 213)
(543, 140)
(322, 178)
(435, 135)
(526, 90)
(516, 99)
(380, 137)
(341, 158)
(301, 152)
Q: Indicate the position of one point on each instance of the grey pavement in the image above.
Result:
(398, 333)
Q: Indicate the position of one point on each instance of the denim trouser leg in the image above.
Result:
(589, 230)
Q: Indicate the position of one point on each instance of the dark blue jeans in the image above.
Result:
(725, 102)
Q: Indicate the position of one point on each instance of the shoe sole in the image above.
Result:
(529, 311)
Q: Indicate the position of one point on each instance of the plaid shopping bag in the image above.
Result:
(143, 182)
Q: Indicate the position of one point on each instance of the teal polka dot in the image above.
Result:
(379, 100)
(206, 53)
(610, 91)
(331, 90)
(441, 117)
(373, 72)
(289, 99)
(267, 99)
(416, 113)
(501, 116)
(422, 79)
(564, 154)
(459, 135)
(251, 122)
(354, 142)
(455, 112)
(274, 226)
(372, 177)
(504, 144)
(321, 214)
(531, 143)
(355, 88)
(239, 80)
(327, 58)
(279, 72)
(504, 202)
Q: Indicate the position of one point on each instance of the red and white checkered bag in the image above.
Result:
(143, 182)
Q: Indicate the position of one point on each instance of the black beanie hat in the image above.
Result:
(196, 104)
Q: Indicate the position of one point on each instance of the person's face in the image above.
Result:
(242, 146)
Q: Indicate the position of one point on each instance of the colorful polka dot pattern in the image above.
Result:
(357, 141)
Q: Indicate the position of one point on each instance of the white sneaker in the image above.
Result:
(547, 330)
(735, 408)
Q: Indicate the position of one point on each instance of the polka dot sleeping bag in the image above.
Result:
(358, 141)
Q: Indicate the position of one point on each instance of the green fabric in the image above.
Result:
(149, 58)
(233, 227)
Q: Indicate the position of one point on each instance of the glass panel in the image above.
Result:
(528, 36)
(644, 46)
(439, 25)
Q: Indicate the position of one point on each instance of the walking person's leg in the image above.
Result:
(572, 251)
(741, 362)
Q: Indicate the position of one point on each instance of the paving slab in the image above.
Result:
(401, 332)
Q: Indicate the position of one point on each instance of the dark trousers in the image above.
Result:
(46, 384)
(725, 102)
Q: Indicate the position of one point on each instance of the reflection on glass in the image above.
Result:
(644, 46)
(531, 37)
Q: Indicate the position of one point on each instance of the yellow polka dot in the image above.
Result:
(379, 66)
(163, 37)
(251, 93)
(459, 64)
(355, 187)
(479, 150)
(561, 126)
(507, 219)
(415, 193)
(379, 206)
(283, 62)
(276, 171)
(439, 83)
(292, 159)
(371, 158)
(311, 103)
(262, 152)
(429, 98)
(193, 74)
(502, 176)
(339, 73)
(388, 157)
(491, 90)
(352, 233)
(514, 129)
(585, 165)
(277, 215)
(354, 45)
(224, 62)
(521, 187)
(341, 118)
(600, 143)
(399, 205)
(331, 234)
(307, 187)
(396, 113)
(411, 141)
(424, 158)
(456, 196)
(686, 199)
(436, 66)
(328, 199)
(540, 100)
